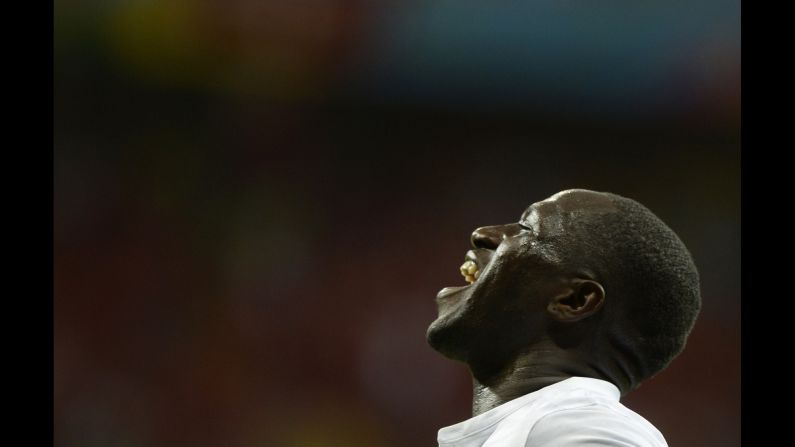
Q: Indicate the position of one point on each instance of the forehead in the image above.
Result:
(549, 212)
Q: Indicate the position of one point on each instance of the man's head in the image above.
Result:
(592, 273)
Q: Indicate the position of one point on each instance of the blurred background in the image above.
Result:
(256, 202)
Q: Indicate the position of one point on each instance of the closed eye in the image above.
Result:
(525, 227)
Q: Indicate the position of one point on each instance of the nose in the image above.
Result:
(490, 237)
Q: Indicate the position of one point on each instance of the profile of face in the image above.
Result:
(518, 284)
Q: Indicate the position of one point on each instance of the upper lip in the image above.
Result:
(479, 256)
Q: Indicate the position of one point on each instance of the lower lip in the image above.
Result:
(449, 291)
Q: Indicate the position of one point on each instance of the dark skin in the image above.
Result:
(530, 319)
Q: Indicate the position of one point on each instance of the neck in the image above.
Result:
(537, 368)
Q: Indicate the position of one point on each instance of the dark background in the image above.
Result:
(256, 202)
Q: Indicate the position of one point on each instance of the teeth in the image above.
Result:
(470, 271)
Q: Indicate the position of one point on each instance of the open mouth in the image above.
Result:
(470, 271)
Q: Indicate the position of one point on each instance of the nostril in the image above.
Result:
(486, 237)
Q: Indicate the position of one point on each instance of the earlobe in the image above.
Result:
(582, 299)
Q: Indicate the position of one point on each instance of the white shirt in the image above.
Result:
(578, 411)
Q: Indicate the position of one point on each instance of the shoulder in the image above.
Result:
(596, 424)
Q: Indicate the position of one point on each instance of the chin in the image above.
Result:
(446, 340)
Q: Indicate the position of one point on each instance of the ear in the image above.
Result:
(580, 300)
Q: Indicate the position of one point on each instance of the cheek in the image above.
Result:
(511, 265)
(501, 288)
(517, 283)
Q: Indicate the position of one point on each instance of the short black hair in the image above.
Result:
(652, 290)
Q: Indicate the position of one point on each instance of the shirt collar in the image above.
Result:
(498, 413)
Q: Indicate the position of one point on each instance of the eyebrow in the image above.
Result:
(525, 213)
